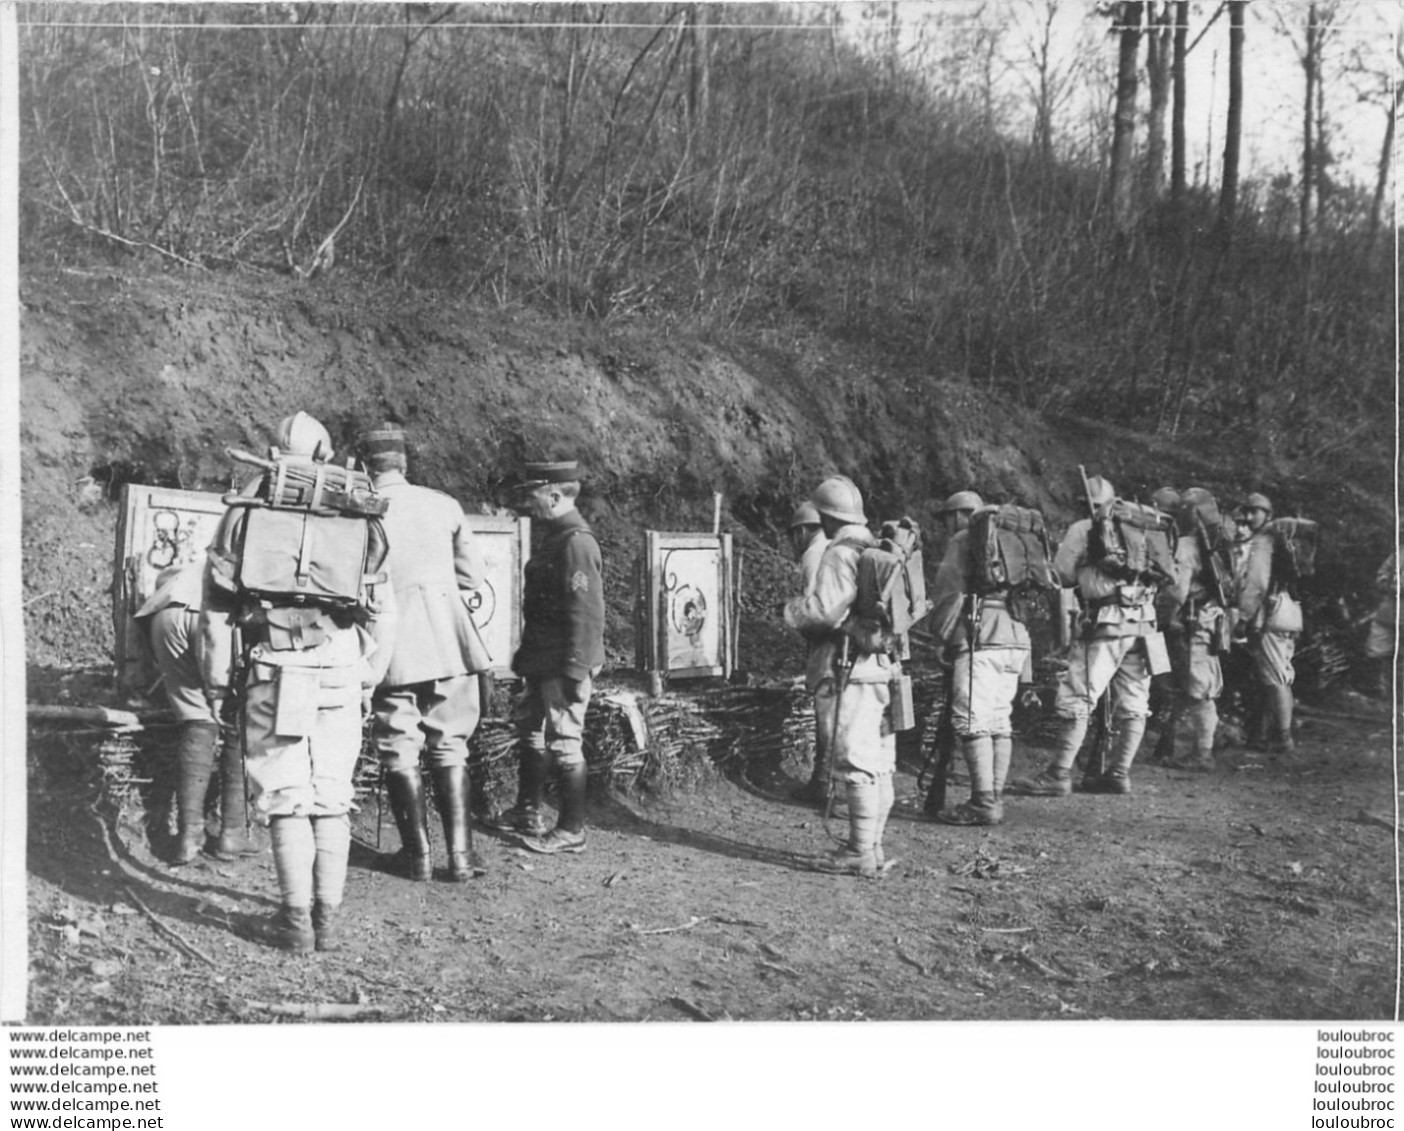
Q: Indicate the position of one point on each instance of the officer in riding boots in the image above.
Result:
(561, 653)
(428, 701)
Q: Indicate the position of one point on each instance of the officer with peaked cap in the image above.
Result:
(561, 653)
(428, 702)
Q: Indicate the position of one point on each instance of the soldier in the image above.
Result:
(1113, 654)
(852, 692)
(986, 659)
(807, 543)
(1379, 638)
(1270, 618)
(428, 701)
(173, 613)
(1195, 606)
(561, 652)
(302, 673)
(1164, 697)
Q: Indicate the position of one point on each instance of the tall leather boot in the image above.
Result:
(1125, 743)
(569, 833)
(1055, 780)
(451, 793)
(981, 809)
(195, 758)
(234, 838)
(406, 790)
(857, 859)
(1278, 710)
(525, 816)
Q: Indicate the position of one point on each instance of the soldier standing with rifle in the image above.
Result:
(1197, 605)
(303, 584)
(853, 692)
(1270, 616)
(988, 650)
(428, 701)
(1115, 652)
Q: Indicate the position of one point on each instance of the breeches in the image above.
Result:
(302, 730)
(549, 715)
(174, 633)
(983, 686)
(1118, 662)
(1201, 677)
(438, 717)
(1271, 654)
(864, 745)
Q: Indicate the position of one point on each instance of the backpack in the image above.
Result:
(1199, 515)
(1009, 551)
(891, 585)
(312, 535)
(1135, 543)
(1294, 542)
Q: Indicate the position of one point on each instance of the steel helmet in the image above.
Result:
(303, 435)
(1101, 491)
(805, 515)
(839, 498)
(1259, 502)
(1166, 499)
(961, 501)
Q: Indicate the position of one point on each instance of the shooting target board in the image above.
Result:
(686, 614)
(158, 527)
(496, 606)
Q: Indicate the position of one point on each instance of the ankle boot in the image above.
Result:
(195, 757)
(451, 793)
(1056, 779)
(1279, 714)
(326, 925)
(1125, 743)
(291, 929)
(1204, 722)
(406, 790)
(981, 809)
(525, 816)
(857, 859)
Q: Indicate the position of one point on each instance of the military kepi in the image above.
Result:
(382, 438)
(536, 475)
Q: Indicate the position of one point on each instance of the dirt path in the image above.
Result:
(1256, 892)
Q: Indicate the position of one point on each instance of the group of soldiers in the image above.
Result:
(303, 621)
(1132, 634)
(292, 676)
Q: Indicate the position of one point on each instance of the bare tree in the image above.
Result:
(1128, 16)
(1160, 21)
(1177, 114)
(1233, 129)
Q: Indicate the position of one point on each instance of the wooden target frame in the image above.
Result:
(685, 627)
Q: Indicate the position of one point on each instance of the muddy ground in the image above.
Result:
(1262, 890)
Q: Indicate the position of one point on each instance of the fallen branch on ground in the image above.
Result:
(170, 932)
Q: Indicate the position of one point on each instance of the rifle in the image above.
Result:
(845, 669)
(1223, 636)
(945, 751)
(233, 715)
(1095, 762)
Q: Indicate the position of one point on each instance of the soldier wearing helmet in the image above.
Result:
(1270, 617)
(1196, 614)
(985, 650)
(428, 702)
(807, 544)
(1112, 657)
(302, 672)
(851, 692)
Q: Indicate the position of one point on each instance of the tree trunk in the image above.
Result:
(1233, 129)
(1124, 119)
(1309, 61)
(1177, 114)
(1158, 41)
(1382, 177)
